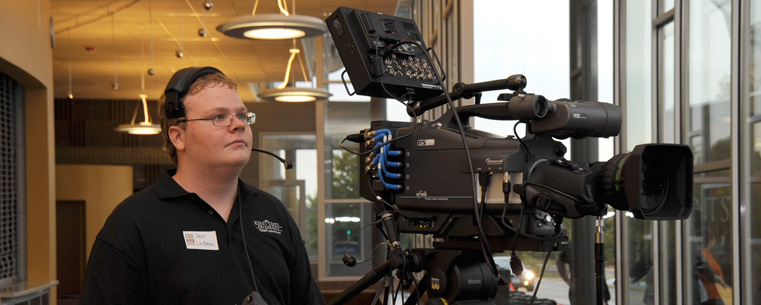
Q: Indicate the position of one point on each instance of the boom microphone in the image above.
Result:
(286, 163)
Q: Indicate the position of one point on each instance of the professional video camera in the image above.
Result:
(475, 190)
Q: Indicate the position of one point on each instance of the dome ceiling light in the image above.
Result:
(273, 26)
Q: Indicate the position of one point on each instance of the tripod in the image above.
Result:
(452, 277)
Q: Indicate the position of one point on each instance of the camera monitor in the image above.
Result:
(384, 55)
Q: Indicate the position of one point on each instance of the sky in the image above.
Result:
(524, 37)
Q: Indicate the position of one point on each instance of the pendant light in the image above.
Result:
(151, 71)
(293, 94)
(115, 84)
(273, 26)
(179, 53)
(70, 93)
(146, 127)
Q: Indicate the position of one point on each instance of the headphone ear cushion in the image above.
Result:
(178, 87)
(173, 107)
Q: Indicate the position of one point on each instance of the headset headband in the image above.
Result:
(178, 87)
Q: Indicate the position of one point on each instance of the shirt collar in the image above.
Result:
(166, 187)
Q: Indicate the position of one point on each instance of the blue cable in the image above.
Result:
(381, 160)
(382, 169)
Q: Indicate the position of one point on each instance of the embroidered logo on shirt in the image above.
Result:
(201, 240)
(267, 226)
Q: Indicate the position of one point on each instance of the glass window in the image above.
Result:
(640, 263)
(347, 215)
(709, 80)
(752, 174)
(709, 252)
(297, 187)
(349, 231)
(342, 119)
(638, 68)
(638, 121)
(12, 203)
(605, 69)
(709, 231)
(666, 84)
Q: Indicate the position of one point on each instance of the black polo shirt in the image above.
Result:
(164, 245)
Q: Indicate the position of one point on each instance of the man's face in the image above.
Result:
(216, 146)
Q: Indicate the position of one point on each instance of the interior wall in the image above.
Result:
(26, 55)
(102, 187)
(25, 30)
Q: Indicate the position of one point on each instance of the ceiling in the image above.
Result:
(101, 42)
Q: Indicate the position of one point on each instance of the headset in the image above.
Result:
(178, 87)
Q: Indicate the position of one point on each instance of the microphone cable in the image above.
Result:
(243, 236)
(287, 164)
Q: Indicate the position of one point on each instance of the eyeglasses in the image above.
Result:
(226, 120)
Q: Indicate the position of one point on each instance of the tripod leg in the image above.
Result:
(368, 280)
(415, 296)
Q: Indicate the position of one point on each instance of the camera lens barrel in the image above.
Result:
(654, 181)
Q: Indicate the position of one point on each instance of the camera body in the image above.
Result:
(520, 186)
(437, 190)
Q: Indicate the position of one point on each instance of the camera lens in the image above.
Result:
(609, 186)
(654, 184)
(612, 187)
(654, 181)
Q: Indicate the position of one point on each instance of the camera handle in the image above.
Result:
(599, 259)
(462, 90)
(519, 107)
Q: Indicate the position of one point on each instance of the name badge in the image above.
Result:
(201, 240)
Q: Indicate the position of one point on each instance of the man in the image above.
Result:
(710, 272)
(200, 235)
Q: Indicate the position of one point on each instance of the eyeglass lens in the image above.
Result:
(227, 120)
